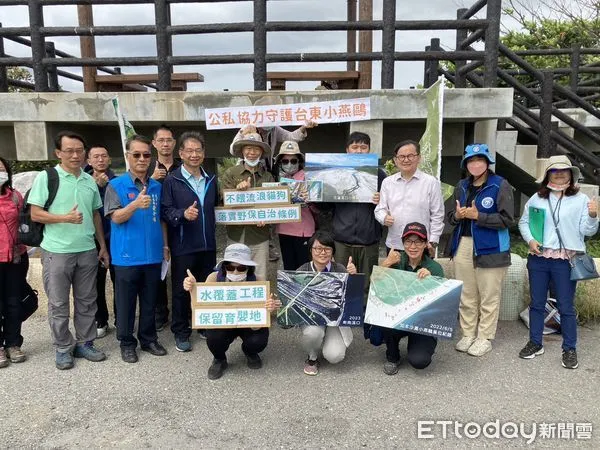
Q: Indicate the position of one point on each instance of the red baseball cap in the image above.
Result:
(415, 228)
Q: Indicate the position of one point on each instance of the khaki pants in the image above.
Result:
(481, 292)
(364, 258)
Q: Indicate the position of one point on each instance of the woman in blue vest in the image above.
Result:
(564, 216)
(237, 266)
(480, 247)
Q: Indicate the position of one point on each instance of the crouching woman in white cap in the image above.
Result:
(567, 216)
(237, 266)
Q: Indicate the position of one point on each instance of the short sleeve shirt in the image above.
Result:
(81, 191)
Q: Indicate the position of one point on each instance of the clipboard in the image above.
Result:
(537, 217)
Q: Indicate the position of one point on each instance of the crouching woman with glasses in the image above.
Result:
(237, 266)
(331, 341)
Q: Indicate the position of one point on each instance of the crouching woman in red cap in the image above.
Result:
(415, 258)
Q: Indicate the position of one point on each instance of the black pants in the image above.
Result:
(102, 313)
(131, 282)
(201, 264)
(294, 251)
(420, 348)
(162, 302)
(12, 283)
(253, 341)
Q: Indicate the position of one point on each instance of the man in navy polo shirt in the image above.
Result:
(137, 249)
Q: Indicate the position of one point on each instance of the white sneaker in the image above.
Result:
(480, 347)
(464, 344)
(101, 331)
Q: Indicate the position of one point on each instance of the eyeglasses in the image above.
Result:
(192, 151)
(139, 155)
(409, 158)
(165, 140)
(324, 250)
(232, 268)
(558, 170)
(73, 151)
(413, 242)
(289, 161)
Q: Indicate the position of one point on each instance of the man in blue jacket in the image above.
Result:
(137, 249)
(188, 203)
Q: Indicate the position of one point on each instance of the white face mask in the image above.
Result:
(251, 163)
(236, 277)
(3, 178)
(290, 168)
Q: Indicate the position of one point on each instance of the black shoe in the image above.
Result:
(154, 348)
(216, 369)
(531, 350)
(129, 355)
(254, 361)
(160, 324)
(569, 359)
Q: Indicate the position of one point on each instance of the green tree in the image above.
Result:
(19, 73)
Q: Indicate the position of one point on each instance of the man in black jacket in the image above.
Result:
(98, 167)
(189, 197)
(355, 229)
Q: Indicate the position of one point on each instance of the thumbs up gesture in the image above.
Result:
(189, 281)
(159, 173)
(74, 216)
(191, 213)
(350, 267)
(593, 207)
(392, 259)
(143, 200)
(244, 185)
(460, 211)
(471, 212)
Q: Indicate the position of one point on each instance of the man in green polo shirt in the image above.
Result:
(69, 255)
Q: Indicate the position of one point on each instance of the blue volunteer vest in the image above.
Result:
(486, 241)
(139, 240)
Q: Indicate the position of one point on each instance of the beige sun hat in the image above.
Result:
(289, 148)
(559, 162)
(249, 139)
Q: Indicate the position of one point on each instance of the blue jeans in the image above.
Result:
(541, 271)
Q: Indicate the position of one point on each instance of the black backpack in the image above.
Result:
(31, 233)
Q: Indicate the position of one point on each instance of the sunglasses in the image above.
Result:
(232, 268)
(139, 155)
(289, 161)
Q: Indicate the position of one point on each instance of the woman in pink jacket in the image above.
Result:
(293, 237)
(13, 270)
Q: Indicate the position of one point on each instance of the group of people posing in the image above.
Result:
(163, 209)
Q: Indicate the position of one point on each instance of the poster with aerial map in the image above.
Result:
(320, 298)
(398, 299)
(341, 177)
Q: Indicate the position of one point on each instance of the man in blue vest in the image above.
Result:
(189, 197)
(137, 248)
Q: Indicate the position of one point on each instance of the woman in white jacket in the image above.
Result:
(560, 217)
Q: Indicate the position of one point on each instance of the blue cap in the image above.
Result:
(477, 150)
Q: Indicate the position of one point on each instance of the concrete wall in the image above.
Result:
(37, 117)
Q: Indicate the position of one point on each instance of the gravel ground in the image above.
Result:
(167, 402)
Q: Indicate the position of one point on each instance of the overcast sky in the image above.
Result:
(239, 77)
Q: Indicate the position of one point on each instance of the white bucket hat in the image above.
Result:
(237, 253)
(289, 148)
(249, 139)
(560, 162)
